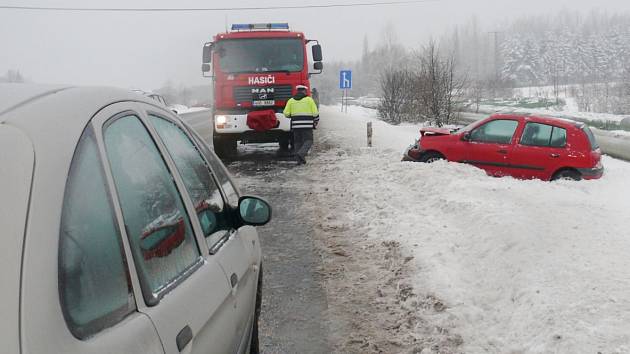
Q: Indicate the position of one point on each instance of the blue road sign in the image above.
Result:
(345, 79)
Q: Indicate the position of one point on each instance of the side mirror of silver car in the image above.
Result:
(254, 211)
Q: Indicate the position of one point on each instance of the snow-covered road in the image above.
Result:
(520, 266)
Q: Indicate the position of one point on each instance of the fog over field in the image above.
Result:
(146, 49)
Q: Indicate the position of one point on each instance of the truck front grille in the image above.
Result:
(245, 93)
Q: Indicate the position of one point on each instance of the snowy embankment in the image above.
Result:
(521, 266)
(620, 134)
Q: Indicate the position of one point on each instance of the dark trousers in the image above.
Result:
(302, 140)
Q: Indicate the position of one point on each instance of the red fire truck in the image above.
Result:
(255, 69)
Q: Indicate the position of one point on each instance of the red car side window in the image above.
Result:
(498, 131)
(537, 134)
(558, 137)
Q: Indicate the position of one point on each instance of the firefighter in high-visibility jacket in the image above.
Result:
(304, 115)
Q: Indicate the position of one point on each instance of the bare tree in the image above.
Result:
(554, 75)
(436, 85)
(389, 35)
(394, 84)
(428, 89)
(12, 76)
(476, 92)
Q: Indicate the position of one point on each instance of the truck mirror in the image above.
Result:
(317, 52)
(205, 67)
(207, 53)
(318, 65)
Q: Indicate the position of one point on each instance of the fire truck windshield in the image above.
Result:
(261, 55)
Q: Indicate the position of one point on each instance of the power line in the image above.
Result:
(213, 9)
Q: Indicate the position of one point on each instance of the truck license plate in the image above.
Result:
(264, 103)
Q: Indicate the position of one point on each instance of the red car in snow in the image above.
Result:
(519, 145)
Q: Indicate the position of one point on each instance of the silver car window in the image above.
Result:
(228, 188)
(220, 172)
(94, 281)
(202, 189)
(159, 231)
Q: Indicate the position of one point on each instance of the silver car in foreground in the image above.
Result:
(121, 231)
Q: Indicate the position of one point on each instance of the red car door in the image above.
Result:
(489, 146)
(540, 151)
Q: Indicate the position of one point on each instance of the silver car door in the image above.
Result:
(77, 296)
(241, 256)
(185, 292)
(217, 219)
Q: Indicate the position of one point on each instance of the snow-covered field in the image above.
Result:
(534, 94)
(521, 266)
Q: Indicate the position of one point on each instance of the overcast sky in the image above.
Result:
(144, 50)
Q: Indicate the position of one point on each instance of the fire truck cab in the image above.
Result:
(255, 69)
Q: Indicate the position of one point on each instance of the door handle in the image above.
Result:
(554, 155)
(233, 279)
(183, 338)
(502, 151)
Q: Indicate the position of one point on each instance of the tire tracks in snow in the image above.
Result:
(375, 306)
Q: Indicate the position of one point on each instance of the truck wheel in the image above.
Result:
(224, 147)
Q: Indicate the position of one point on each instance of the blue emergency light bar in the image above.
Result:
(260, 26)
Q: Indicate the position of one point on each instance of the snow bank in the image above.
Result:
(385, 136)
(620, 133)
(522, 266)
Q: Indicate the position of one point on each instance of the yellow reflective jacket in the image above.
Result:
(303, 112)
